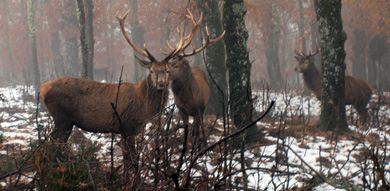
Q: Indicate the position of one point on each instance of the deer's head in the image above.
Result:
(305, 62)
(159, 70)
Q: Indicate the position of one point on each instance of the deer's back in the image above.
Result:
(87, 103)
(357, 90)
(201, 78)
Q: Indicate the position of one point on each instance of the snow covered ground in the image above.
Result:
(305, 155)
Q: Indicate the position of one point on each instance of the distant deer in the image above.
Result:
(189, 85)
(87, 103)
(357, 91)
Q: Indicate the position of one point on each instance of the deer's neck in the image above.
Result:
(183, 85)
(312, 80)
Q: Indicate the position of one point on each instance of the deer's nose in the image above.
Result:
(161, 84)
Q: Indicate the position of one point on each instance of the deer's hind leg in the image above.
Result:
(199, 126)
(62, 130)
(362, 112)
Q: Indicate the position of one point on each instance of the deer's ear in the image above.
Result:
(298, 58)
(175, 63)
(143, 63)
(312, 59)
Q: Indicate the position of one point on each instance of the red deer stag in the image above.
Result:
(357, 91)
(87, 104)
(189, 85)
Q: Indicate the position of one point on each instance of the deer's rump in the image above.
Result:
(357, 91)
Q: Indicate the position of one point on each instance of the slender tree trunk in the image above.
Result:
(272, 52)
(137, 36)
(83, 41)
(88, 5)
(55, 48)
(215, 58)
(359, 55)
(11, 74)
(239, 67)
(238, 62)
(34, 58)
(301, 28)
(315, 41)
(333, 65)
(72, 65)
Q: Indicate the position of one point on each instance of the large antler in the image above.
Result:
(145, 53)
(300, 52)
(188, 39)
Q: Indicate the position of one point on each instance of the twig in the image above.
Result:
(187, 180)
(115, 114)
(300, 158)
(245, 169)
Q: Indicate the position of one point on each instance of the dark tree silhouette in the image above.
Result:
(333, 66)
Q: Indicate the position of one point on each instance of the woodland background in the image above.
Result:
(366, 23)
(45, 39)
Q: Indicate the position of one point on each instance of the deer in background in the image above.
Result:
(87, 103)
(189, 85)
(357, 91)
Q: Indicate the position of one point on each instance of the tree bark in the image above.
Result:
(301, 31)
(10, 74)
(34, 58)
(88, 4)
(137, 36)
(359, 55)
(215, 58)
(72, 65)
(58, 59)
(86, 37)
(238, 62)
(272, 52)
(377, 52)
(332, 39)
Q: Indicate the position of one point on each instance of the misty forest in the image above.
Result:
(194, 95)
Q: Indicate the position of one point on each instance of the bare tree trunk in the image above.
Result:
(55, 48)
(89, 35)
(333, 65)
(10, 74)
(215, 58)
(34, 58)
(301, 28)
(272, 52)
(238, 62)
(359, 55)
(85, 20)
(72, 65)
(137, 35)
(315, 40)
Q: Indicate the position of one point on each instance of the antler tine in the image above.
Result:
(145, 53)
(300, 52)
(318, 49)
(195, 27)
(208, 41)
(180, 48)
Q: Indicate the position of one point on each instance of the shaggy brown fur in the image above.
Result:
(87, 104)
(190, 89)
(357, 91)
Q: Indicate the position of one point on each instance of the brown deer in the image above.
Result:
(357, 91)
(87, 104)
(189, 85)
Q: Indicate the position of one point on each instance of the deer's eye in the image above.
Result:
(151, 71)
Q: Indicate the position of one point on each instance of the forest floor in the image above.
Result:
(291, 155)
